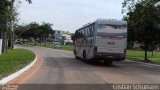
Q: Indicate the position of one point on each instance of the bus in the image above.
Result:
(104, 39)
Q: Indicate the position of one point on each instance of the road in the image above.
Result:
(60, 67)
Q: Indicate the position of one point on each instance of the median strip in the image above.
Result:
(14, 63)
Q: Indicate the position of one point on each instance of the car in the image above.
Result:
(68, 42)
(18, 41)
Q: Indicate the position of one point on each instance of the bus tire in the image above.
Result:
(108, 62)
(84, 57)
(77, 57)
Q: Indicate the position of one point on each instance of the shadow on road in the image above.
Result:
(72, 62)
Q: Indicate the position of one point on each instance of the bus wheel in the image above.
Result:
(84, 57)
(77, 57)
(108, 62)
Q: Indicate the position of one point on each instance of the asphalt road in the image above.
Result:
(60, 67)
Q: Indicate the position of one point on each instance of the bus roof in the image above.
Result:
(111, 22)
(107, 22)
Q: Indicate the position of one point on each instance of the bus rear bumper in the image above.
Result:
(111, 56)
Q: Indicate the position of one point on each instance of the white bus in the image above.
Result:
(104, 39)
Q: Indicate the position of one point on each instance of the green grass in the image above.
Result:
(14, 60)
(67, 47)
(64, 47)
(139, 55)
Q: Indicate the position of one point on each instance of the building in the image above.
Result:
(65, 34)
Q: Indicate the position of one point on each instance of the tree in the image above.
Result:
(35, 30)
(22, 31)
(6, 23)
(143, 22)
(13, 18)
(46, 30)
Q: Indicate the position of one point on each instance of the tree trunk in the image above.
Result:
(35, 42)
(4, 38)
(4, 41)
(27, 41)
(146, 49)
(45, 42)
(23, 40)
(9, 40)
(152, 53)
(4, 35)
(11, 34)
(12, 39)
(12, 23)
(40, 41)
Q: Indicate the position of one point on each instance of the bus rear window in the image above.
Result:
(112, 31)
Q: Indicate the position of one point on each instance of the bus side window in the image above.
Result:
(93, 29)
(78, 34)
(87, 31)
(90, 31)
(81, 33)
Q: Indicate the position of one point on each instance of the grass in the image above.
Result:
(67, 47)
(14, 60)
(139, 55)
(51, 45)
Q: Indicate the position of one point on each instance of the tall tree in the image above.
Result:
(34, 31)
(3, 23)
(6, 23)
(46, 30)
(13, 17)
(143, 19)
(22, 31)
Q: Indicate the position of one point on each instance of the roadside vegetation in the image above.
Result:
(143, 18)
(139, 56)
(14, 60)
(8, 21)
(51, 45)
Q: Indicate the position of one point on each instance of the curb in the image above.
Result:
(18, 73)
(148, 64)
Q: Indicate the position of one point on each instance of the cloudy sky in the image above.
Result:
(69, 15)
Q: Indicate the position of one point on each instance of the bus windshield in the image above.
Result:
(114, 31)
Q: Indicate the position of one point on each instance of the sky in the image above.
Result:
(69, 15)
